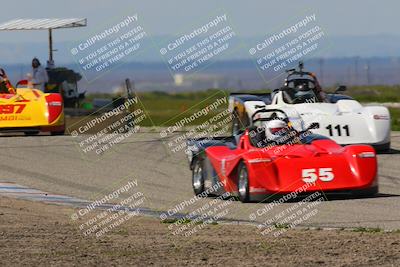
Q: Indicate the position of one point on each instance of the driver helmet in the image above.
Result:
(302, 86)
(305, 96)
(275, 130)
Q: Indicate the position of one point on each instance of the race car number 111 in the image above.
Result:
(338, 128)
(312, 175)
(12, 109)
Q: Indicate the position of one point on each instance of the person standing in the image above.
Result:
(39, 75)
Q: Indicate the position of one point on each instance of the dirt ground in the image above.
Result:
(36, 234)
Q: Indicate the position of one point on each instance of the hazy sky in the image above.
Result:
(251, 18)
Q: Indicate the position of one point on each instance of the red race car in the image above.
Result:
(271, 157)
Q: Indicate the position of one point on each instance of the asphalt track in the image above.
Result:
(58, 165)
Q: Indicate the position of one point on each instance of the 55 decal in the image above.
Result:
(312, 175)
(12, 108)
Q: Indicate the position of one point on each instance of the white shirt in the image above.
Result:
(39, 78)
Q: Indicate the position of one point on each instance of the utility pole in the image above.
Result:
(368, 73)
(130, 87)
(356, 70)
(321, 70)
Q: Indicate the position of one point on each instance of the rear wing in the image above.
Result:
(244, 97)
(251, 94)
(197, 146)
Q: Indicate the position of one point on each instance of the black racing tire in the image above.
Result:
(243, 183)
(58, 133)
(198, 176)
(365, 193)
(383, 148)
(31, 133)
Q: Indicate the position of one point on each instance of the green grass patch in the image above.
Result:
(379, 93)
(174, 220)
(166, 109)
(395, 116)
(367, 230)
(281, 225)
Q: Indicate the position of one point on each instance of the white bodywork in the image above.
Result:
(346, 122)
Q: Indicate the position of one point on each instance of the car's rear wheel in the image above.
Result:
(58, 133)
(31, 133)
(243, 183)
(198, 177)
(61, 131)
(365, 193)
(384, 148)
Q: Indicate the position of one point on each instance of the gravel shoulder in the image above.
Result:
(34, 233)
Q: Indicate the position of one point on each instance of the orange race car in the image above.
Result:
(29, 110)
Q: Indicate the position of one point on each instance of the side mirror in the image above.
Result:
(341, 88)
(314, 125)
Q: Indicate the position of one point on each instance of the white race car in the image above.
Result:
(340, 117)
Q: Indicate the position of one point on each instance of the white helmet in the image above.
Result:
(275, 129)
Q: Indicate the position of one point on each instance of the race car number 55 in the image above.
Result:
(312, 175)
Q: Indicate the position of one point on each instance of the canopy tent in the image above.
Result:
(43, 24)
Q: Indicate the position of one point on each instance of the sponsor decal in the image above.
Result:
(14, 118)
(12, 108)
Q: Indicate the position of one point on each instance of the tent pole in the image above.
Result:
(50, 46)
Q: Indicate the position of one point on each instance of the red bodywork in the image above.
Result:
(54, 106)
(284, 169)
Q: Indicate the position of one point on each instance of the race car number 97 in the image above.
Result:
(11, 109)
(312, 175)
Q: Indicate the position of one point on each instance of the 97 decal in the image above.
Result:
(12, 109)
(312, 175)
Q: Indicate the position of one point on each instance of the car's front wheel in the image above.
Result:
(243, 183)
(198, 177)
